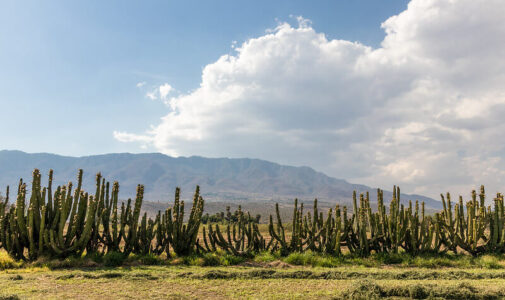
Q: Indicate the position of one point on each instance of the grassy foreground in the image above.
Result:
(267, 276)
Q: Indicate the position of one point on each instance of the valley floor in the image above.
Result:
(252, 282)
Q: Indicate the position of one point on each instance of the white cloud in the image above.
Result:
(160, 92)
(164, 90)
(424, 110)
(141, 84)
(152, 95)
(129, 137)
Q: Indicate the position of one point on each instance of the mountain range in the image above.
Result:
(221, 179)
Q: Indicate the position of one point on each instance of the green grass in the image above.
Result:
(429, 261)
(219, 275)
(369, 289)
(307, 258)
(231, 282)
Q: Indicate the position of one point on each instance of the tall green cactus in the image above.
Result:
(243, 237)
(182, 236)
(466, 229)
(4, 202)
(67, 221)
(308, 232)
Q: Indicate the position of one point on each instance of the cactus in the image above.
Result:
(310, 231)
(66, 221)
(466, 229)
(4, 202)
(243, 237)
(111, 236)
(298, 235)
(183, 237)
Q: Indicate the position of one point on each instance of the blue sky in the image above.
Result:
(375, 92)
(68, 70)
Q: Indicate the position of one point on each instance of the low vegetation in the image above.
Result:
(267, 276)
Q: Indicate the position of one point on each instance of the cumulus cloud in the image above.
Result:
(423, 110)
(141, 84)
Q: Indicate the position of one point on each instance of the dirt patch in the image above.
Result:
(279, 264)
(253, 264)
(133, 263)
(143, 276)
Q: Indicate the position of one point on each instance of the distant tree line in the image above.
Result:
(228, 217)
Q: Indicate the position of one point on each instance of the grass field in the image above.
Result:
(298, 276)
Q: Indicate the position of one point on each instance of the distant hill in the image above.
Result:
(220, 179)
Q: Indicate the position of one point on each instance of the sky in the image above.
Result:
(375, 92)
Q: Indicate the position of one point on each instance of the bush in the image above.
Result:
(231, 260)
(489, 262)
(6, 262)
(96, 257)
(265, 257)
(113, 259)
(212, 259)
(301, 258)
(151, 260)
(389, 258)
(192, 260)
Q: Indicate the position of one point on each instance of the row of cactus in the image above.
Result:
(48, 224)
(476, 230)
(64, 222)
(243, 237)
(70, 222)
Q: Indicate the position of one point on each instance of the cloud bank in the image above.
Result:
(423, 111)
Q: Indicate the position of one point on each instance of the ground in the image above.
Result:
(266, 276)
(259, 281)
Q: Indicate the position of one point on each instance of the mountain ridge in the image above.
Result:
(220, 179)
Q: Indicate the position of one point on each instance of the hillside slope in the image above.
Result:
(221, 179)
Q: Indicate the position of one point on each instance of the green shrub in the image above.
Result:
(192, 260)
(300, 258)
(231, 260)
(96, 257)
(113, 259)
(212, 259)
(265, 257)
(6, 262)
(151, 260)
(489, 262)
(389, 258)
